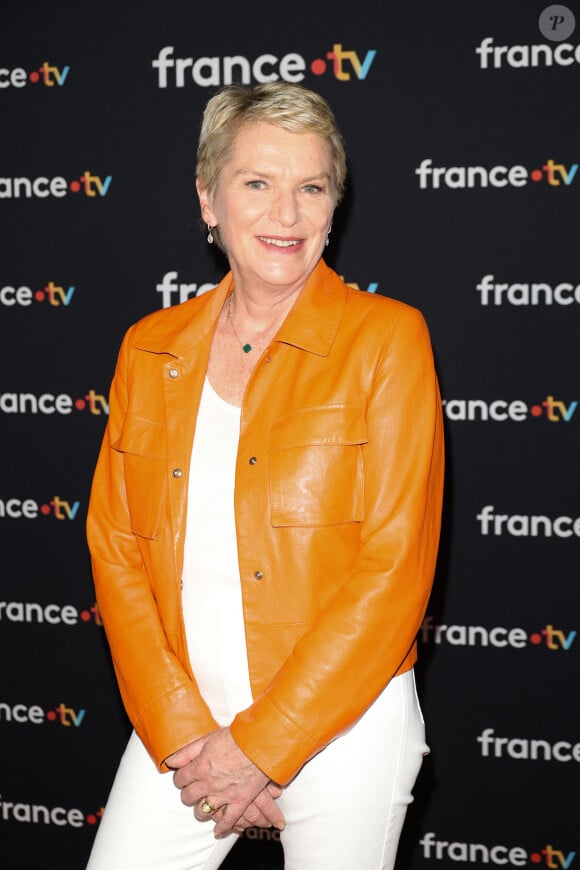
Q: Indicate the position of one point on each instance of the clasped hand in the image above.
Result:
(215, 769)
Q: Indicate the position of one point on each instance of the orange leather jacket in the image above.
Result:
(337, 502)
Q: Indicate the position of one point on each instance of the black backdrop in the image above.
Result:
(100, 226)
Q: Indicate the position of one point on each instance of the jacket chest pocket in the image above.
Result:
(142, 443)
(316, 466)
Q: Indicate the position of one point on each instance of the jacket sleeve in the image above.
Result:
(368, 632)
(161, 699)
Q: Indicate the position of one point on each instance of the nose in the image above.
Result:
(285, 209)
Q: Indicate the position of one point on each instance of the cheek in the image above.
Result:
(236, 213)
(325, 220)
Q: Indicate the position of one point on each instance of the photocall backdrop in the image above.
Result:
(463, 138)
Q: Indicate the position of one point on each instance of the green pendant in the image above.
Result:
(246, 348)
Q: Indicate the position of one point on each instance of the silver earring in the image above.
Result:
(209, 235)
(327, 236)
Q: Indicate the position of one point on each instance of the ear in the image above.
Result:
(204, 203)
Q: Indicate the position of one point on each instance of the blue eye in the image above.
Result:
(255, 185)
(313, 188)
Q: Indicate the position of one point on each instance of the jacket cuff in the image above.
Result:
(171, 722)
(271, 740)
(276, 744)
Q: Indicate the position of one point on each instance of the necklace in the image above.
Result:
(246, 346)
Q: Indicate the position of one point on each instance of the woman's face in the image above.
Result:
(273, 204)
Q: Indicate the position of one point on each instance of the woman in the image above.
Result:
(263, 525)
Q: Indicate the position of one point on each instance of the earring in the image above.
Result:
(327, 236)
(209, 235)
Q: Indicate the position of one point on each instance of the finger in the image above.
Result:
(186, 754)
(230, 818)
(242, 825)
(262, 812)
(254, 818)
(205, 810)
(274, 789)
(270, 809)
(193, 794)
(185, 776)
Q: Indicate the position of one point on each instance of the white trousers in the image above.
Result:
(344, 810)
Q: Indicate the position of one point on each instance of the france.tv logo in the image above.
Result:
(22, 187)
(550, 172)
(345, 64)
(29, 509)
(34, 714)
(55, 295)
(40, 814)
(46, 74)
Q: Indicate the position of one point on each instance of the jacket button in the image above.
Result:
(173, 373)
(177, 472)
(252, 460)
(258, 575)
(268, 359)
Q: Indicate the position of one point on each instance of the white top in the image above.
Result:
(211, 596)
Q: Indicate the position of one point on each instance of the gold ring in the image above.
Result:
(206, 807)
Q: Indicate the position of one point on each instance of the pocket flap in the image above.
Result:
(323, 425)
(141, 436)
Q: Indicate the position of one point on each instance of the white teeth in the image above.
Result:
(279, 243)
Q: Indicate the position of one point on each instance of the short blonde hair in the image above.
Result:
(281, 103)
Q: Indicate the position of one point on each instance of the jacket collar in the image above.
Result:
(311, 324)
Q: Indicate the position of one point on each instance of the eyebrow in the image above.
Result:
(318, 177)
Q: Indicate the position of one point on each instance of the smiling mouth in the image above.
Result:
(279, 243)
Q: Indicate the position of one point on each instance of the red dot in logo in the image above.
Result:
(318, 66)
(39, 295)
(536, 410)
(51, 715)
(34, 77)
(536, 175)
(91, 819)
(85, 616)
(45, 509)
(535, 857)
(536, 638)
(80, 404)
(75, 186)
